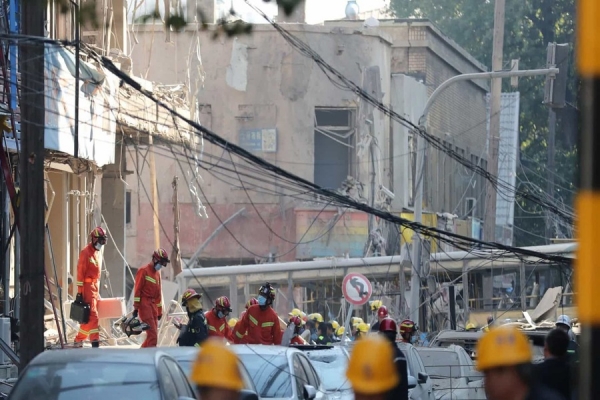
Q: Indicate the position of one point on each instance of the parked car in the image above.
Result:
(331, 363)
(419, 384)
(281, 372)
(468, 341)
(452, 373)
(185, 357)
(81, 374)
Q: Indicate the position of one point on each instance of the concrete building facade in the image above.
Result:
(260, 93)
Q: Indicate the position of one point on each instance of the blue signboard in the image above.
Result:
(263, 140)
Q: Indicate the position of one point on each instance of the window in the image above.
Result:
(128, 207)
(168, 384)
(181, 382)
(313, 380)
(270, 374)
(97, 380)
(442, 364)
(299, 376)
(331, 367)
(334, 146)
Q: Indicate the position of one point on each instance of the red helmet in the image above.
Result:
(98, 234)
(223, 303)
(295, 320)
(188, 295)
(388, 325)
(407, 326)
(251, 302)
(382, 312)
(160, 255)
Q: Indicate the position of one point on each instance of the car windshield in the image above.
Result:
(92, 380)
(331, 367)
(443, 364)
(270, 374)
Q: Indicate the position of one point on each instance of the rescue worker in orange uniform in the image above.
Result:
(239, 337)
(88, 274)
(261, 321)
(216, 319)
(147, 298)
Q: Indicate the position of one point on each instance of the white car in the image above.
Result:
(281, 372)
(452, 373)
(331, 363)
(420, 386)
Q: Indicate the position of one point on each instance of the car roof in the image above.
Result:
(177, 352)
(450, 335)
(449, 349)
(91, 355)
(244, 349)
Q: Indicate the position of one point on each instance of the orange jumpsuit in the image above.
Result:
(88, 274)
(262, 327)
(239, 337)
(218, 327)
(147, 299)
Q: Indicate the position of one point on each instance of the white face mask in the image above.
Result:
(157, 266)
(98, 246)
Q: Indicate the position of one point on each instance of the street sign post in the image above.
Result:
(357, 290)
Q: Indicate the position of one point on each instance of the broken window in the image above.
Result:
(334, 146)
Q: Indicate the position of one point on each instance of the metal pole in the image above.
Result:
(550, 173)
(588, 199)
(77, 49)
(494, 133)
(347, 323)
(452, 307)
(32, 205)
(415, 280)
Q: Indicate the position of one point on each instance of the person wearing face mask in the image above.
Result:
(216, 319)
(147, 298)
(261, 322)
(196, 330)
(88, 274)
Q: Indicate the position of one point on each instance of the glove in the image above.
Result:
(135, 313)
(159, 317)
(79, 298)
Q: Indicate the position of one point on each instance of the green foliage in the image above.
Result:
(530, 25)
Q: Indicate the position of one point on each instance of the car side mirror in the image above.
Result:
(412, 382)
(310, 392)
(422, 378)
(248, 395)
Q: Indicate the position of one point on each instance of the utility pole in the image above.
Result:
(154, 188)
(32, 204)
(550, 234)
(494, 135)
(588, 199)
(415, 278)
(176, 253)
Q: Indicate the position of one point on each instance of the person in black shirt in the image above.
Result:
(196, 331)
(555, 371)
(389, 329)
(323, 336)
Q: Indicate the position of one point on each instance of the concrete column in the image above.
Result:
(209, 9)
(58, 225)
(113, 209)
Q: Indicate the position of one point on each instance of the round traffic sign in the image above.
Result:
(357, 289)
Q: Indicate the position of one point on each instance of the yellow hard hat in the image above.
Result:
(502, 347)
(470, 326)
(232, 322)
(368, 359)
(316, 317)
(375, 304)
(340, 331)
(362, 327)
(355, 320)
(335, 325)
(295, 312)
(217, 366)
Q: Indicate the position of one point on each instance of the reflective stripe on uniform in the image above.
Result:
(211, 328)
(221, 328)
(239, 335)
(253, 320)
(159, 304)
(93, 261)
(267, 324)
(136, 299)
(150, 279)
(196, 345)
(79, 283)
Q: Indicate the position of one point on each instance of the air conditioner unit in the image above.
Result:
(470, 206)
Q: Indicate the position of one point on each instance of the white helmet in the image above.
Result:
(564, 320)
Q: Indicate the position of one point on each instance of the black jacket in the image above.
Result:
(554, 373)
(195, 332)
(322, 339)
(541, 392)
(400, 392)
